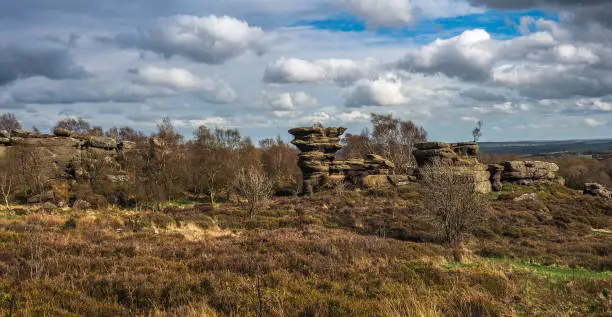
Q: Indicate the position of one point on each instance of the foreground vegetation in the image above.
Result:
(335, 254)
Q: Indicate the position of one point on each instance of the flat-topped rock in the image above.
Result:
(307, 131)
(61, 132)
(431, 145)
(102, 142)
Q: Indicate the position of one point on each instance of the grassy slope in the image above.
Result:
(337, 254)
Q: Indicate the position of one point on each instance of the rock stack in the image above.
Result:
(460, 157)
(318, 146)
(529, 172)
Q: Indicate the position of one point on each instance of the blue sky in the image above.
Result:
(529, 69)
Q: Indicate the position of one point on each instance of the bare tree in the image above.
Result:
(8, 179)
(452, 202)
(9, 122)
(77, 125)
(477, 132)
(391, 137)
(255, 187)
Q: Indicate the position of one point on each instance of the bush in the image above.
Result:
(81, 205)
(70, 224)
(255, 188)
(452, 202)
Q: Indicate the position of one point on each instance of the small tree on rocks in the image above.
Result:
(255, 188)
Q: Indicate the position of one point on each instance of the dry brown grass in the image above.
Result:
(312, 256)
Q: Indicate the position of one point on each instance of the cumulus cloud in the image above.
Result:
(179, 79)
(470, 119)
(146, 83)
(333, 117)
(210, 39)
(381, 13)
(550, 63)
(384, 91)
(594, 122)
(575, 11)
(468, 56)
(502, 108)
(334, 71)
(18, 62)
(289, 101)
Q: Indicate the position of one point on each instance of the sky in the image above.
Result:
(529, 69)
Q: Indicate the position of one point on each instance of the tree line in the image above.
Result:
(215, 165)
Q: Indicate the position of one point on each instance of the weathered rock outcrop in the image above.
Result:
(318, 146)
(598, 190)
(460, 158)
(67, 158)
(529, 172)
(321, 170)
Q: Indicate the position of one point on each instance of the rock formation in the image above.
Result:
(321, 170)
(318, 146)
(597, 190)
(529, 172)
(460, 158)
(66, 157)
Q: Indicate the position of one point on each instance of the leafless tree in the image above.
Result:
(390, 137)
(255, 188)
(452, 202)
(477, 132)
(8, 179)
(9, 122)
(77, 125)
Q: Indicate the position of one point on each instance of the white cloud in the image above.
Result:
(502, 108)
(594, 104)
(210, 39)
(381, 13)
(183, 80)
(289, 101)
(384, 91)
(470, 119)
(468, 56)
(594, 122)
(333, 117)
(335, 71)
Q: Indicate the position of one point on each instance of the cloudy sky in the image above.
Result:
(530, 69)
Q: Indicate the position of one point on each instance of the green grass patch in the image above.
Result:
(555, 273)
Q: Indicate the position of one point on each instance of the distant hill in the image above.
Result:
(547, 147)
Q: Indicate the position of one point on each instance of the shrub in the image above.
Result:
(452, 202)
(70, 224)
(255, 188)
(81, 205)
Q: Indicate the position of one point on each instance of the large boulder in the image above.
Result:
(20, 133)
(61, 132)
(598, 190)
(102, 142)
(376, 182)
(529, 170)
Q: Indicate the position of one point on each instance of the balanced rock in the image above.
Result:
(318, 146)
